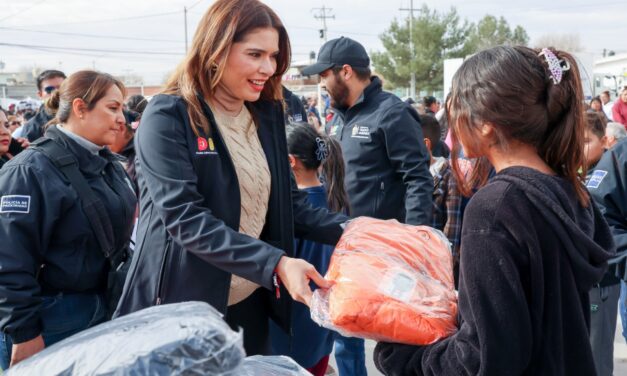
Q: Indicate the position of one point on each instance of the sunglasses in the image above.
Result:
(50, 89)
(14, 123)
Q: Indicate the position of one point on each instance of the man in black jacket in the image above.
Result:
(607, 184)
(47, 82)
(294, 109)
(387, 164)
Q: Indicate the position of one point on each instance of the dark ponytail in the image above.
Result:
(562, 145)
(512, 88)
(333, 173)
(314, 150)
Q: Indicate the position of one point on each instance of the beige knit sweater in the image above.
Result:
(241, 139)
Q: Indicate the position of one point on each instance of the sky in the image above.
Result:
(147, 37)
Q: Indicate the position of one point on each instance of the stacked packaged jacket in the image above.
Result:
(174, 339)
(270, 366)
(392, 282)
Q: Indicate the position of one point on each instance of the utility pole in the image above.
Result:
(412, 82)
(322, 15)
(185, 16)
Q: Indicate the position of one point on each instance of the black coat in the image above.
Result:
(608, 187)
(530, 254)
(294, 108)
(188, 242)
(42, 222)
(35, 127)
(387, 163)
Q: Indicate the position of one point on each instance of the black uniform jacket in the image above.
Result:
(188, 242)
(387, 164)
(608, 187)
(294, 108)
(34, 128)
(47, 245)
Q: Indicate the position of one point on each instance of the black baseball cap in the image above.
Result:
(338, 52)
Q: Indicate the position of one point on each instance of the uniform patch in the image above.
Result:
(15, 204)
(360, 132)
(596, 179)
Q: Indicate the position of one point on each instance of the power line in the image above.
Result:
(89, 35)
(21, 11)
(132, 52)
(193, 5)
(110, 19)
(334, 31)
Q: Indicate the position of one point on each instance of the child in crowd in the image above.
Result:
(308, 151)
(533, 244)
(447, 200)
(594, 139)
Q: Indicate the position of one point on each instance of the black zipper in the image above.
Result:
(162, 272)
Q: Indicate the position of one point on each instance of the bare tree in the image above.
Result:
(564, 42)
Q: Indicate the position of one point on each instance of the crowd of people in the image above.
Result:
(229, 189)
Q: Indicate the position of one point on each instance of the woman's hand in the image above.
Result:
(26, 349)
(295, 274)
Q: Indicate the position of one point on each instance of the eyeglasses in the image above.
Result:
(15, 123)
(50, 89)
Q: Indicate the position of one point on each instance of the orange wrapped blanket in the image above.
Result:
(393, 282)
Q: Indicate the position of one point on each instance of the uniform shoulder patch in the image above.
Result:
(15, 204)
(596, 178)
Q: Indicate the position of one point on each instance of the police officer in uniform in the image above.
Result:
(53, 273)
(607, 184)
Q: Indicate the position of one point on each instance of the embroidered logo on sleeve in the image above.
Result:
(596, 179)
(15, 204)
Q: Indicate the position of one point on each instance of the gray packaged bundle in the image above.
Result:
(270, 366)
(174, 339)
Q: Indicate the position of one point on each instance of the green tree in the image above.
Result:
(436, 36)
(490, 32)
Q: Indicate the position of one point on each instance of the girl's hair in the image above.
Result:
(314, 150)
(88, 85)
(137, 103)
(511, 88)
(596, 99)
(596, 124)
(226, 22)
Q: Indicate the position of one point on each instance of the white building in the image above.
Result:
(610, 73)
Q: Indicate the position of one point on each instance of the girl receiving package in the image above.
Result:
(392, 282)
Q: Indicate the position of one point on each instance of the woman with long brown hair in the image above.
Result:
(533, 243)
(218, 207)
(53, 272)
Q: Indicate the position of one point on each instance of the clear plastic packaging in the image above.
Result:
(174, 339)
(392, 282)
(271, 366)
